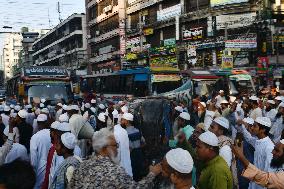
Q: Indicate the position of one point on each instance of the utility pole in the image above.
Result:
(59, 11)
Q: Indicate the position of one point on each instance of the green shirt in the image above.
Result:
(216, 175)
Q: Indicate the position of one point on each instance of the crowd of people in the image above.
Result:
(221, 142)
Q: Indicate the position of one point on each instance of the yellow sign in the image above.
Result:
(21, 89)
(164, 77)
(227, 62)
(148, 31)
(131, 56)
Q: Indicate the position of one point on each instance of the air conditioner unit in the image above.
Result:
(97, 32)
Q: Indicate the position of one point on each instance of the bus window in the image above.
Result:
(162, 87)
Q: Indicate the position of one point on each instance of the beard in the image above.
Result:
(277, 162)
(114, 158)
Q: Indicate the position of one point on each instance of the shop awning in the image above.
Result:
(141, 77)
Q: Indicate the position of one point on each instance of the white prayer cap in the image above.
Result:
(180, 160)
(102, 117)
(265, 121)
(29, 106)
(209, 138)
(65, 127)
(280, 98)
(115, 113)
(102, 107)
(12, 106)
(120, 103)
(42, 100)
(41, 117)
(59, 104)
(68, 140)
(65, 107)
(254, 98)
(17, 108)
(88, 105)
(128, 116)
(37, 112)
(93, 101)
(282, 141)
(7, 109)
(124, 109)
(271, 101)
(248, 120)
(221, 91)
(74, 107)
(222, 122)
(63, 118)
(224, 102)
(179, 109)
(22, 114)
(54, 125)
(233, 98)
(184, 115)
(203, 104)
(93, 110)
(45, 111)
(41, 105)
(281, 105)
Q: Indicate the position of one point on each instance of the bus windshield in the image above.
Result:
(162, 87)
(50, 92)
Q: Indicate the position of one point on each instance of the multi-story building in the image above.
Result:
(26, 58)
(65, 45)
(11, 50)
(106, 34)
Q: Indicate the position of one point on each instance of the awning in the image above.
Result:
(141, 77)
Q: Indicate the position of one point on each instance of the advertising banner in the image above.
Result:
(235, 20)
(192, 34)
(164, 63)
(227, 62)
(155, 78)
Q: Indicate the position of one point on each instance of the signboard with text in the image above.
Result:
(227, 62)
(192, 34)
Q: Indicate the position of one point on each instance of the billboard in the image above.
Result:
(235, 20)
(215, 3)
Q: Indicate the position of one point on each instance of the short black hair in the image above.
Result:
(17, 175)
(267, 129)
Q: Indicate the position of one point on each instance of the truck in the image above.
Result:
(40, 82)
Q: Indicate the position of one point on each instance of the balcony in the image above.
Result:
(105, 36)
(104, 16)
(104, 57)
(141, 5)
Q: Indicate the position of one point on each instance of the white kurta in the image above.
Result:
(5, 119)
(18, 151)
(262, 154)
(271, 114)
(30, 118)
(219, 99)
(76, 122)
(122, 139)
(39, 148)
(276, 129)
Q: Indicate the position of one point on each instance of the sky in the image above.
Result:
(35, 14)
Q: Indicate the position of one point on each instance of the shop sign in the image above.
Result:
(278, 38)
(162, 51)
(169, 42)
(191, 51)
(192, 34)
(249, 43)
(215, 3)
(262, 65)
(227, 62)
(131, 56)
(169, 12)
(277, 74)
(164, 63)
(107, 64)
(133, 42)
(49, 71)
(148, 31)
(232, 21)
(155, 78)
(208, 43)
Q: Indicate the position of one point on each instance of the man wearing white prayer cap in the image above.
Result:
(220, 98)
(6, 116)
(263, 144)
(270, 110)
(18, 151)
(177, 166)
(256, 111)
(58, 109)
(268, 179)
(39, 147)
(121, 137)
(278, 127)
(278, 100)
(179, 109)
(65, 147)
(216, 173)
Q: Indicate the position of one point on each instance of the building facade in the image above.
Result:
(106, 35)
(11, 50)
(65, 45)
